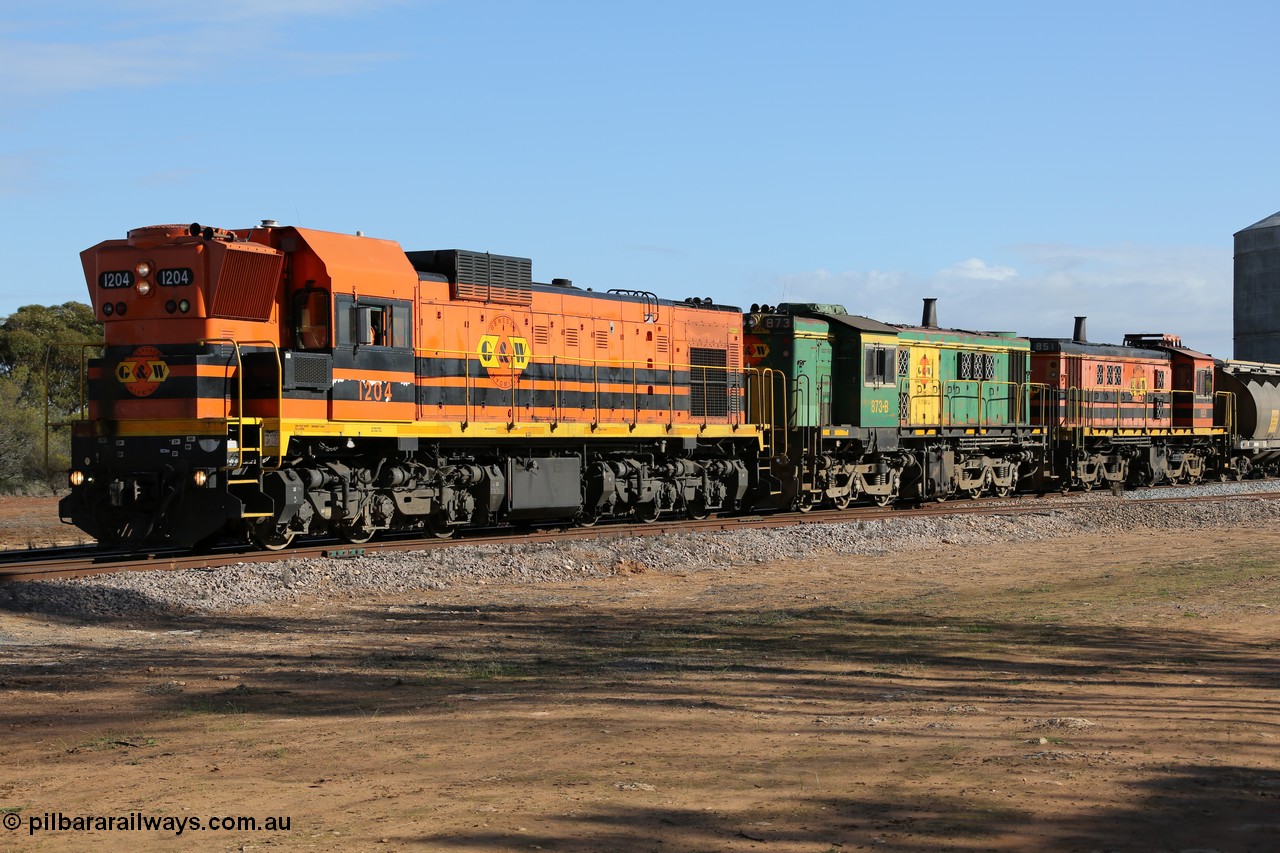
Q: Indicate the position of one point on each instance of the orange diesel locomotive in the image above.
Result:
(277, 381)
(1136, 414)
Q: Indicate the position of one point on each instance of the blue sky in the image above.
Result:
(1023, 162)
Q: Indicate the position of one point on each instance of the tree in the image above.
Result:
(21, 442)
(36, 333)
(41, 350)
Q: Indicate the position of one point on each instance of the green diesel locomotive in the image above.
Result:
(857, 407)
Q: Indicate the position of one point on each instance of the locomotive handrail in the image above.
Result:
(825, 384)
(49, 424)
(1082, 408)
(793, 413)
(1017, 399)
(240, 416)
(766, 379)
(1229, 411)
(734, 413)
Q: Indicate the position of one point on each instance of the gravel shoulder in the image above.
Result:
(1097, 676)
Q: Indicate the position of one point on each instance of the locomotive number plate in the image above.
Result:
(174, 277)
(115, 280)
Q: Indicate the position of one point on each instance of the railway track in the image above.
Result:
(83, 561)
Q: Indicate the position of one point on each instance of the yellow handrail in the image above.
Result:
(734, 414)
(49, 424)
(240, 416)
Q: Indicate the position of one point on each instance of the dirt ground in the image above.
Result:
(33, 523)
(1100, 693)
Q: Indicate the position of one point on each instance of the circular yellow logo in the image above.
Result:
(503, 353)
(143, 371)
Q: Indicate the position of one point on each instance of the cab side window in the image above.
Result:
(375, 324)
(311, 319)
(378, 334)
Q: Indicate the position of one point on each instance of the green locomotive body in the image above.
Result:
(863, 408)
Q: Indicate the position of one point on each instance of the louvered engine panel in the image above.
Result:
(247, 285)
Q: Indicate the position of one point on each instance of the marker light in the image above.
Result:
(184, 306)
(171, 306)
(108, 308)
(143, 269)
(144, 288)
(77, 478)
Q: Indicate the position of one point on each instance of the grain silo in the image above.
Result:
(1257, 292)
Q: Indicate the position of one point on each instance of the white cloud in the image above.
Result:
(146, 43)
(976, 269)
(1121, 288)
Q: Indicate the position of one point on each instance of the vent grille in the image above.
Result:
(541, 335)
(480, 276)
(308, 370)
(664, 344)
(247, 285)
(571, 337)
(708, 383)
(602, 339)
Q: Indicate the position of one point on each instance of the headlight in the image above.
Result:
(199, 476)
(143, 269)
(144, 287)
(77, 478)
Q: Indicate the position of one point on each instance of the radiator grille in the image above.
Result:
(247, 285)
(708, 383)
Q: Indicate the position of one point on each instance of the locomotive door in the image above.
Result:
(373, 365)
(1072, 395)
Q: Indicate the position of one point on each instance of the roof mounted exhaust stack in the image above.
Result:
(930, 318)
(1079, 335)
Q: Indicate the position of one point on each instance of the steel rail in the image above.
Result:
(52, 563)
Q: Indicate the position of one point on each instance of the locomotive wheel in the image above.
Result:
(974, 493)
(583, 519)
(883, 500)
(647, 512)
(355, 534)
(696, 510)
(843, 501)
(439, 527)
(266, 535)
